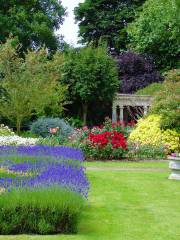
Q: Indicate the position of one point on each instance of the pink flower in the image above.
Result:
(53, 130)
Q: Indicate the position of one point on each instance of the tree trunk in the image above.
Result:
(18, 126)
(85, 110)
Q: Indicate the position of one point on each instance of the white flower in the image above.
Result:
(17, 141)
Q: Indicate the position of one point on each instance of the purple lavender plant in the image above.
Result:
(43, 174)
(49, 151)
(70, 177)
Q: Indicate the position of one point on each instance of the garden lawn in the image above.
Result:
(127, 206)
(129, 164)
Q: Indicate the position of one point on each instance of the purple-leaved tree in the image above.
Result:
(136, 71)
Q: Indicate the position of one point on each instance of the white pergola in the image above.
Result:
(125, 100)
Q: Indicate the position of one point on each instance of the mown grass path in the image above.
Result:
(127, 205)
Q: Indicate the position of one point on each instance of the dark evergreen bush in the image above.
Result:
(41, 127)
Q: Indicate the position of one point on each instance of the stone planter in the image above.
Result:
(174, 165)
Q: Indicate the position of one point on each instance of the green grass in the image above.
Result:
(127, 206)
(128, 164)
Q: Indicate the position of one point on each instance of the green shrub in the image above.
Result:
(75, 122)
(40, 211)
(151, 89)
(145, 151)
(167, 101)
(50, 141)
(5, 131)
(42, 125)
(27, 134)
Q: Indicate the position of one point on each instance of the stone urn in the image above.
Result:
(174, 165)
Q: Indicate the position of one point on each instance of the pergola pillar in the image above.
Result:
(114, 114)
(145, 110)
(121, 108)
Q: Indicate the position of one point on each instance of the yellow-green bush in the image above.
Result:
(5, 131)
(148, 131)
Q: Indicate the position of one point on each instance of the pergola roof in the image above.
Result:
(133, 100)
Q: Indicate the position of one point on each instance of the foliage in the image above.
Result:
(46, 211)
(146, 151)
(135, 72)
(42, 127)
(148, 132)
(5, 131)
(91, 75)
(27, 134)
(53, 140)
(75, 122)
(33, 22)
(31, 85)
(106, 20)
(167, 101)
(173, 75)
(150, 90)
(156, 32)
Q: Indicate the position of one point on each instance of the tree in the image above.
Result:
(106, 20)
(136, 72)
(167, 101)
(91, 75)
(29, 85)
(32, 21)
(156, 32)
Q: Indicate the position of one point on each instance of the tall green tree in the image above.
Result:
(91, 75)
(167, 101)
(32, 21)
(106, 20)
(30, 85)
(156, 32)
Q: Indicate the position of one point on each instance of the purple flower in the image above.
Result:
(48, 166)
(56, 152)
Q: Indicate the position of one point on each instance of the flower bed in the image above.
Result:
(45, 192)
(108, 141)
(17, 141)
(105, 145)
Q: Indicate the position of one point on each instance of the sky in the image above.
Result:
(69, 28)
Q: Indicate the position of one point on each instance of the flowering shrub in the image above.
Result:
(45, 194)
(16, 140)
(5, 131)
(102, 139)
(148, 131)
(102, 142)
(106, 145)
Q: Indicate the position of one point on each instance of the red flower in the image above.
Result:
(116, 139)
